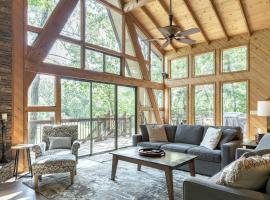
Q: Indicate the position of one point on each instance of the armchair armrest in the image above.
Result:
(39, 149)
(136, 139)
(228, 152)
(194, 189)
(75, 148)
(240, 151)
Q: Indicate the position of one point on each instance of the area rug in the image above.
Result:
(93, 182)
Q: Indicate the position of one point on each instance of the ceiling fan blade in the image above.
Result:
(186, 40)
(167, 43)
(188, 32)
(169, 30)
(154, 39)
(164, 30)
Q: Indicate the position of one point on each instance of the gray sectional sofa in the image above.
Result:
(187, 139)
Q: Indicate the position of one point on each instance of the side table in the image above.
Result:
(22, 147)
(249, 144)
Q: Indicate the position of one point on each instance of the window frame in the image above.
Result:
(193, 64)
(193, 114)
(188, 66)
(233, 47)
(248, 101)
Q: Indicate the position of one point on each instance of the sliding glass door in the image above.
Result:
(103, 117)
(126, 107)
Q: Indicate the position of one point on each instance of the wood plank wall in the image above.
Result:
(258, 74)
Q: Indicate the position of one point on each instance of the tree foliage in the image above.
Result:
(179, 68)
(204, 64)
(234, 59)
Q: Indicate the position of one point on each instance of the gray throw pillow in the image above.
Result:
(60, 143)
(227, 136)
(189, 134)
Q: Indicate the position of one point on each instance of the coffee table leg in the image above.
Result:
(114, 166)
(169, 180)
(139, 167)
(192, 168)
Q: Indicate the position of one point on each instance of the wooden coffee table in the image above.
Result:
(167, 163)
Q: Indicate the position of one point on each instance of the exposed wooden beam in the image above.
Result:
(214, 7)
(51, 30)
(154, 21)
(145, 32)
(244, 14)
(166, 9)
(196, 20)
(144, 70)
(129, 6)
(68, 72)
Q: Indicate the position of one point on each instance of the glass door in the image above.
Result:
(103, 117)
(126, 112)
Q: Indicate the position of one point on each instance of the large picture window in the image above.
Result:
(179, 105)
(204, 104)
(234, 104)
(179, 68)
(204, 64)
(156, 67)
(235, 59)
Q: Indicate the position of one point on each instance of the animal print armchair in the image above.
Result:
(58, 131)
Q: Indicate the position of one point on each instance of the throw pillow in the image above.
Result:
(211, 138)
(227, 136)
(60, 143)
(189, 134)
(247, 173)
(157, 133)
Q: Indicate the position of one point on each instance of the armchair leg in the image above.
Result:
(40, 178)
(72, 176)
(36, 182)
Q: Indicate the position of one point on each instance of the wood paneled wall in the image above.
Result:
(258, 74)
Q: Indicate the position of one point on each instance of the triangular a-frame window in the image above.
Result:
(103, 26)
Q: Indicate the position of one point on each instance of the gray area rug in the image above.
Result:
(93, 182)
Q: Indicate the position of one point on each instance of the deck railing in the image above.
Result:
(102, 127)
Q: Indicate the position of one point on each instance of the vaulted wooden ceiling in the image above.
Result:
(216, 18)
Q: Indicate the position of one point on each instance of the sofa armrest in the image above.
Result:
(194, 189)
(228, 152)
(136, 139)
(240, 151)
(75, 148)
(39, 149)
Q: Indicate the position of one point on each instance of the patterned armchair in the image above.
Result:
(58, 131)
(50, 161)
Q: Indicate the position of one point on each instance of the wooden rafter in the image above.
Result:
(196, 20)
(145, 32)
(58, 70)
(214, 7)
(244, 14)
(154, 21)
(144, 70)
(51, 30)
(166, 9)
(129, 6)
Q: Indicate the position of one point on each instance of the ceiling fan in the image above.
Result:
(172, 32)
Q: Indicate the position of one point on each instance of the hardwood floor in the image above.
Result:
(17, 190)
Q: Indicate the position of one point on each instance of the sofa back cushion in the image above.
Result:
(144, 132)
(170, 131)
(189, 134)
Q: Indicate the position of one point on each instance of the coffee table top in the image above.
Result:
(171, 159)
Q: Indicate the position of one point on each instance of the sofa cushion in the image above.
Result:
(57, 152)
(247, 173)
(154, 145)
(206, 154)
(211, 138)
(238, 136)
(178, 147)
(227, 135)
(170, 131)
(189, 134)
(157, 133)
